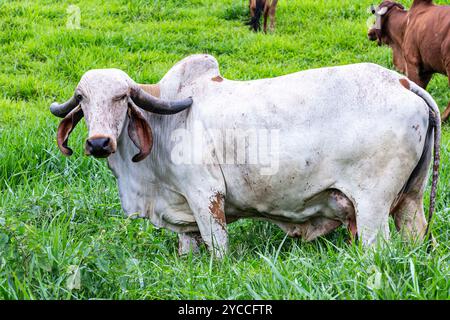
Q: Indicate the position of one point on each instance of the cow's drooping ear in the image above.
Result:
(140, 133)
(65, 128)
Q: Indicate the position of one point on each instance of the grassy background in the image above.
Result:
(62, 231)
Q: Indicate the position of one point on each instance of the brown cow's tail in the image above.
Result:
(255, 21)
(435, 123)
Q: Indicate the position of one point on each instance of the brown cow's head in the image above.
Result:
(377, 32)
(106, 97)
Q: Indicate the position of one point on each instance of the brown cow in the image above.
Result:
(419, 38)
(259, 7)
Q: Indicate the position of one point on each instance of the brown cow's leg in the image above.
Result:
(266, 14)
(272, 11)
(252, 6)
(446, 113)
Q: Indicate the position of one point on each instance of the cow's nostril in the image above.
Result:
(99, 147)
(98, 143)
(105, 142)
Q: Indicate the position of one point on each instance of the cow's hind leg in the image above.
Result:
(446, 113)
(266, 15)
(252, 7)
(409, 216)
(272, 14)
(372, 215)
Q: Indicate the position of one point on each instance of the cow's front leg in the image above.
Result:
(210, 217)
(189, 242)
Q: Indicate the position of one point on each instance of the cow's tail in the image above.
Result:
(435, 125)
(255, 21)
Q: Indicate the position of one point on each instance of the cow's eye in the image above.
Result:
(119, 98)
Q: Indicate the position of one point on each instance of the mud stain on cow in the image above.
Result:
(216, 209)
(217, 79)
(416, 128)
(404, 82)
(152, 89)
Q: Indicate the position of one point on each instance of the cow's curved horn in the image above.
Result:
(161, 106)
(62, 110)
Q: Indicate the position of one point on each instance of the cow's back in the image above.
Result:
(427, 37)
(335, 128)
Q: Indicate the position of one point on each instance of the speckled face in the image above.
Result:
(374, 30)
(104, 98)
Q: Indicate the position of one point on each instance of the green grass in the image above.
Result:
(62, 230)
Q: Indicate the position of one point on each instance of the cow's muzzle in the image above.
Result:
(372, 35)
(100, 147)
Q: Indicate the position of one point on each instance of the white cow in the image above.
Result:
(349, 145)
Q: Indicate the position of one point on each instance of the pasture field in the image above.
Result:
(62, 231)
